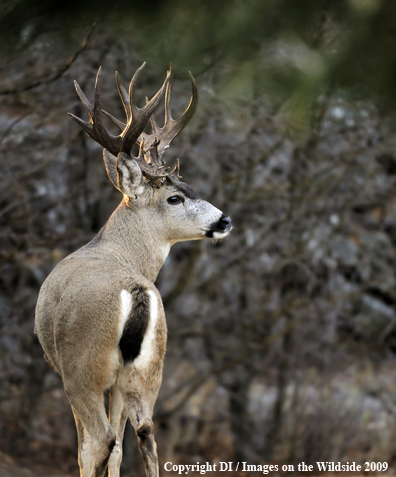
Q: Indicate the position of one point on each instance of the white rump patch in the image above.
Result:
(115, 359)
(126, 305)
(147, 348)
(165, 251)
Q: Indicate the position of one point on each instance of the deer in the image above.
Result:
(99, 317)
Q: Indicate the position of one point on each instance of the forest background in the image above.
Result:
(282, 338)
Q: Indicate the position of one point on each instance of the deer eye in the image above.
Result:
(175, 199)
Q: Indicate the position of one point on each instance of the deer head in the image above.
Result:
(171, 206)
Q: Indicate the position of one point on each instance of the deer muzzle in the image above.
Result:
(221, 228)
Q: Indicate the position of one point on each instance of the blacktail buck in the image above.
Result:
(99, 317)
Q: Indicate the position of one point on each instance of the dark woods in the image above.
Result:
(281, 338)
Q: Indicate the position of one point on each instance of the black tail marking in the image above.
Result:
(136, 325)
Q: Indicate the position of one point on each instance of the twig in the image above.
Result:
(57, 75)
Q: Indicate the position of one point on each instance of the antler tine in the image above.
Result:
(128, 99)
(154, 125)
(116, 121)
(95, 128)
(125, 101)
(168, 95)
(172, 127)
(86, 126)
(176, 169)
(139, 116)
(124, 95)
(132, 90)
(148, 109)
(84, 100)
(88, 106)
(150, 154)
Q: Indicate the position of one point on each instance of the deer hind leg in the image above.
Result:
(84, 458)
(148, 447)
(118, 417)
(140, 414)
(96, 437)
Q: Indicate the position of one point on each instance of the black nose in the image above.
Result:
(224, 223)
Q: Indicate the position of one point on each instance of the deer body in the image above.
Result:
(99, 317)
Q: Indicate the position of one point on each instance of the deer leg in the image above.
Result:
(83, 457)
(148, 447)
(98, 438)
(118, 419)
(140, 414)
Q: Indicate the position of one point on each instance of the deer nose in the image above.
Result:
(224, 223)
(220, 229)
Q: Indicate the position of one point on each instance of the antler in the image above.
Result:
(152, 146)
(137, 118)
(172, 127)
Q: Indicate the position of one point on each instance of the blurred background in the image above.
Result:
(282, 338)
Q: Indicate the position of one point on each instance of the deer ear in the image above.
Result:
(130, 177)
(110, 164)
(124, 173)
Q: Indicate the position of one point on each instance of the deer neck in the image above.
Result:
(130, 238)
